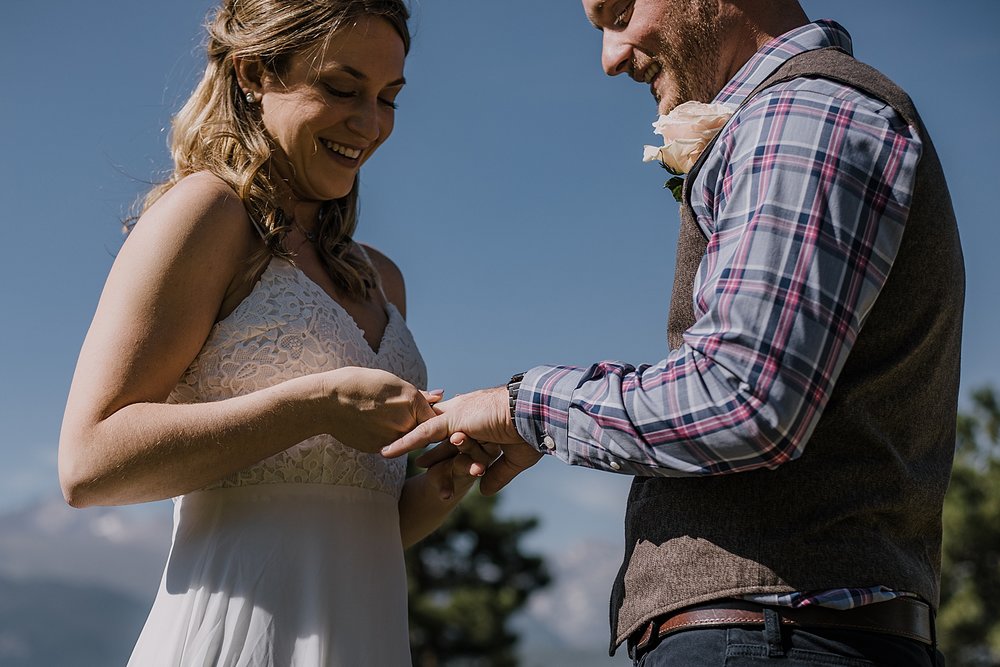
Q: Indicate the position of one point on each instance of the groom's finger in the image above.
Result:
(512, 462)
(481, 454)
(434, 429)
(499, 475)
(442, 452)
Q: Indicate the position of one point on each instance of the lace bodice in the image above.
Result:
(289, 326)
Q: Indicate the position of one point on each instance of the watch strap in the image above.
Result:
(513, 386)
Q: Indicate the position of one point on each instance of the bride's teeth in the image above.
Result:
(352, 153)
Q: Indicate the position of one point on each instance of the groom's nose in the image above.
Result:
(616, 53)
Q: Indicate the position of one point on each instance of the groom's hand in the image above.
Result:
(484, 416)
(514, 459)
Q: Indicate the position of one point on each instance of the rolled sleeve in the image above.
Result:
(806, 205)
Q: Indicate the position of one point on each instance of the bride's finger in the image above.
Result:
(452, 476)
(462, 469)
(433, 396)
(443, 478)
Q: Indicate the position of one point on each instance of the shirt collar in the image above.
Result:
(771, 56)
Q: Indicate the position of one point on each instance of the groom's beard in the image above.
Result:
(690, 53)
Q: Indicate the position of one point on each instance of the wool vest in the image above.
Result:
(861, 507)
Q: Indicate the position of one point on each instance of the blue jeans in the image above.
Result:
(787, 647)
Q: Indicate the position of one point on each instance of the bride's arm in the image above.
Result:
(120, 443)
(422, 508)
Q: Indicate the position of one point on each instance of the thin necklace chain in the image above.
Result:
(312, 237)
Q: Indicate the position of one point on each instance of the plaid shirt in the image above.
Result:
(804, 199)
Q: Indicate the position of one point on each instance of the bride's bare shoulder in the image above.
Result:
(202, 195)
(199, 211)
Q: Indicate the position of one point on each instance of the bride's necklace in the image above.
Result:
(312, 236)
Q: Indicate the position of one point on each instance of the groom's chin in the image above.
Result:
(666, 100)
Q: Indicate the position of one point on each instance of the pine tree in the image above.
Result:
(969, 617)
(466, 581)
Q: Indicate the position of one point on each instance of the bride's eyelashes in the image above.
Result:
(336, 92)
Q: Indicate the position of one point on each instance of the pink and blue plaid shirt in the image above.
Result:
(803, 199)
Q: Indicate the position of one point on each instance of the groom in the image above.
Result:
(792, 452)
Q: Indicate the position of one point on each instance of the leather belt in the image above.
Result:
(904, 617)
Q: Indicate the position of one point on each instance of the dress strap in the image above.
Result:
(261, 232)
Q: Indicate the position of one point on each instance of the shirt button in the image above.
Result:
(548, 442)
(615, 465)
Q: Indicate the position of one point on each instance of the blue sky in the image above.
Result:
(512, 195)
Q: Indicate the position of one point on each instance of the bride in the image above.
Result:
(249, 359)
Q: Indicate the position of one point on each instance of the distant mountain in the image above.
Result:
(575, 607)
(120, 548)
(56, 624)
(567, 623)
(76, 585)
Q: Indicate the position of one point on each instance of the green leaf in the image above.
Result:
(969, 615)
(676, 186)
(670, 169)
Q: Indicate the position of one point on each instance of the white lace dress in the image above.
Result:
(295, 561)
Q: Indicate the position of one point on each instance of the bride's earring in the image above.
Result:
(249, 97)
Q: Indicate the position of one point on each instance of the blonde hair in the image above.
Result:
(218, 131)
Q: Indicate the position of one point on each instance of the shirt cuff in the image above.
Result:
(541, 413)
(545, 418)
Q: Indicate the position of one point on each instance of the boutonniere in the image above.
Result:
(686, 131)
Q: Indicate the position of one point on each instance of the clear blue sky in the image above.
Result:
(512, 195)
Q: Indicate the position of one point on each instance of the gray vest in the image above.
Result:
(862, 506)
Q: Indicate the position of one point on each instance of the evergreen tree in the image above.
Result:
(466, 581)
(969, 618)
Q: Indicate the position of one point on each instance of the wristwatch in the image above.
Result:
(512, 388)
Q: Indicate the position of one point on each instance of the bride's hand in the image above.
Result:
(369, 408)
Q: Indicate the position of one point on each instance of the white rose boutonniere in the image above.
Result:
(686, 131)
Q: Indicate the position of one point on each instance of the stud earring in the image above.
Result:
(249, 97)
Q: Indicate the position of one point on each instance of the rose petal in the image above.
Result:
(681, 155)
(650, 153)
(692, 120)
(686, 131)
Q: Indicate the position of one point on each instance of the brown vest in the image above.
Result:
(862, 506)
